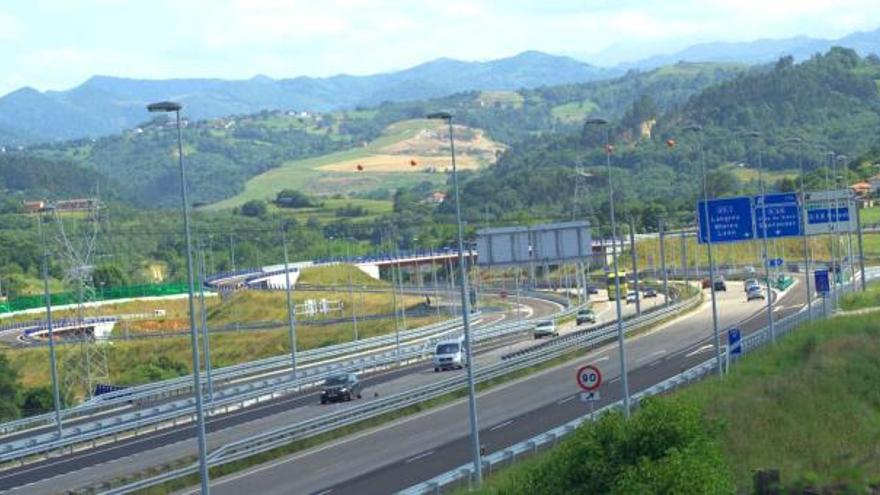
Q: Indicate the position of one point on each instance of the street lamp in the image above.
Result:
(624, 379)
(698, 130)
(167, 107)
(849, 241)
(806, 245)
(756, 135)
(465, 309)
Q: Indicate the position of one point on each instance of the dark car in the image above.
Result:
(585, 316)
(341, 387)
(650, 292)
(720, 285)
(592, 289)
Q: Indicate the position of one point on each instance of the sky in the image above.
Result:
(58, 44)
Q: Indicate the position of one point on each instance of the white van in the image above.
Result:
(450, 354)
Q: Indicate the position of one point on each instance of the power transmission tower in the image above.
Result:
(77, 234)
(581, 205)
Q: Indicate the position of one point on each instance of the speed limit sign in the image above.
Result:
(589, 378)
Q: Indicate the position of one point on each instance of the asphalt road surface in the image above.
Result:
(416, 448)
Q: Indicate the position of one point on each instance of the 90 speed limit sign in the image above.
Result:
(589, 378)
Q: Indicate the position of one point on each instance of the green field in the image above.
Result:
(870, 216)
(327, 212)
(575, 111)
(501, 98)
(809, 406)
(305, 175)
(747, 174)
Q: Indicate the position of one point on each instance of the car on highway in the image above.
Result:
(748, 284)
(632, 296)
(720, 284)
(705, 283)
(585, 316)
(592, 289)
(545, 328)
(756, 292)
(342, 387)
(650, 292)
(450, 354)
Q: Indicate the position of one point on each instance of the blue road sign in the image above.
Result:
(783, 215)
(827, 215)
(774, 262)
(823, 284)
(734, 337)
(729, 220)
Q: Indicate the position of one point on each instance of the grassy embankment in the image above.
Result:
(138, 361)
(386, 163)
(809, 407)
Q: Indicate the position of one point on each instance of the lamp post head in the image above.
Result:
(440, 116)
(596, 121)
(794, 139)
(752, 134)
(164, 106)
(693, 128)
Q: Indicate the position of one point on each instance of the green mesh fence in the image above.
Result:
(125, 292)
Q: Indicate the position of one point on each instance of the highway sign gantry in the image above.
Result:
(783, 215)
(725, 220)
(589, 378)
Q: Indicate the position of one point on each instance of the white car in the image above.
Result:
(755, 292)
(632, 296)
(545, 329)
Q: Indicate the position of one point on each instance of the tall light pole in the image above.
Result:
(465, 308)
(698, 130)
(806, 241)
(167, 107)
(291, 307)
(53, 362)
(624, 378)
(849, 240)
(756, 135)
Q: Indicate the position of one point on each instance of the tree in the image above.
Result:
(10, 390)
(37, 400)
(254, 208)
(289, 198)
(109, 275)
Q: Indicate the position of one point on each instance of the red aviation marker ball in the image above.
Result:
(412, 163)
(671, 143)
(589, 378)
(360, 167)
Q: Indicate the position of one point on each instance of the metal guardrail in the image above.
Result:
(265, 441)
(225, 400)
(182, 385)
(464, 474)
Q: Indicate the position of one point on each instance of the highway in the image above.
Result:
(394, 456)
(106, 462)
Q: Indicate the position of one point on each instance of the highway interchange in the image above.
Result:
(420, 446)
(394, 456)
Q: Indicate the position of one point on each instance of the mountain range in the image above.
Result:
(759, 51)
(105, 105)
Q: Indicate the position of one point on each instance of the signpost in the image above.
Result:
(783, 215)
(589, 379)
(775, 262)
(823, 286)
(734, 339)
(729, 220)
(830, 211)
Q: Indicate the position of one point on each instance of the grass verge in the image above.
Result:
(809, 407)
